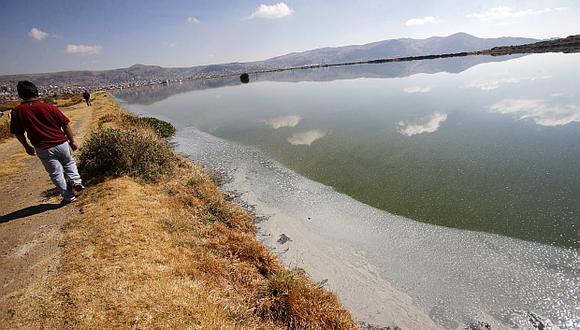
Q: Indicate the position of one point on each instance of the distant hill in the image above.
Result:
(459, 42)
(455, 43)
(569, 44)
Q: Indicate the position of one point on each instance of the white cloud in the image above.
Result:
(417, 89)
(420, 21)
(286, 121)
(539, 111)
(488, 85)
(306, 138)
(278, 10)
(424, 125)
(504, 12)
(37, 34)
(193, 20)
(83, 49)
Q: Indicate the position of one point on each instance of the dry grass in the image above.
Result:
(4, 128)
(158, 264)
(12, 163)
(68, 100)
(8, 105)
(4, 122)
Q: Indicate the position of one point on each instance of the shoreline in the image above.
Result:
(344, 242)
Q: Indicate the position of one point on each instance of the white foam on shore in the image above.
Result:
(389, 270)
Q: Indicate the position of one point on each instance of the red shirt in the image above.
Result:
(42, 123)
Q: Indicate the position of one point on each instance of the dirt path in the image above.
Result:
(31, 221)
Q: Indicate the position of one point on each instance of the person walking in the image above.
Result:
(87, 97)
(50, 134)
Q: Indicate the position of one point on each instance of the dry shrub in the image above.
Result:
(68, 100)
(5, 107)
(230, 214)
(4, 128)
(246, 248)
(8, 105)
(291, 298)
(107, 118)
(138, 153)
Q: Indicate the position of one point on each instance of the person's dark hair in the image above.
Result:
(26, 89)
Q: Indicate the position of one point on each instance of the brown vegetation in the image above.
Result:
(173, 253)
(4, 128)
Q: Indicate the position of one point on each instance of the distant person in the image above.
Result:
(50, 134)
(87, 97)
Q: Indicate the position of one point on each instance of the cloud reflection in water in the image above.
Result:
(488, 85)
(424, 125)
(285, 121)
(541, 112)
(306, 138)
(417, 89)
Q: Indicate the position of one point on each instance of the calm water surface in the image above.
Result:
(493, 147)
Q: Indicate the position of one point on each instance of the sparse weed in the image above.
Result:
(218, 178)
(209, 219)
(173, 225)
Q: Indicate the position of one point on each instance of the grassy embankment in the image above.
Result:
(157, 245)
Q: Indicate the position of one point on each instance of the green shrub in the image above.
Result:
(139, 153)
(245, 78)
(163, 128)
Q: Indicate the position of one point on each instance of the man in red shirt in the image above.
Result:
(50, 134)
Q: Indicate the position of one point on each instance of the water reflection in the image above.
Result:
(423, 125)
(417, 89)
(541, 112)
(488, 85)
(306, 138)
(152, 94)
(284, 121)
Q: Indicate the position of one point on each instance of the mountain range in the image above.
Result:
(455, 43)
(459, 42)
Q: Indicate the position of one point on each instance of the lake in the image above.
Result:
(451, 186)
(494, 148)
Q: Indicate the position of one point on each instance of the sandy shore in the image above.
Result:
(367, 295)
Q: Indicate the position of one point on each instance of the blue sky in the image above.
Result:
(48, 36)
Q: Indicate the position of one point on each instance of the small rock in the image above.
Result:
(283, 239)
(479, 325)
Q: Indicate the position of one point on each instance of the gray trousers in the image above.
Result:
(61, 168)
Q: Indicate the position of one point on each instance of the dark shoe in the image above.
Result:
(66, 201)
(78, 187)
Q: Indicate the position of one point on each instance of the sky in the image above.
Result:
(61, 35)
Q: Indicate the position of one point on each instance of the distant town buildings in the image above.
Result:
(59, 87)
(8, 88)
